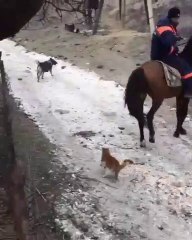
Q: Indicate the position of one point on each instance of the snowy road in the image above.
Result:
(152, 200)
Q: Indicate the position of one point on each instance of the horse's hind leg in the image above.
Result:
(141, 123)
(182, 110)
(138, 114)
(155, 106)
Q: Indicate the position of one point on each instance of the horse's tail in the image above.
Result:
(135, 92)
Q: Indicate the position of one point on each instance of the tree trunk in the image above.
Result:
(88, 18)
(151, 19)
(98, 16)
(124, 13)
(120, 9)
(146, 11)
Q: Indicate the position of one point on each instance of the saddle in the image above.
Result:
(172, 76)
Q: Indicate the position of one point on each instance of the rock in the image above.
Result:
(19, 39)
(161, 228)
(121, 128)
(186, 211)
(63, 67)
(189, 192)
(85, 134)
(111, 135)
(20, 79)
(65, 58)
(158, 202)
(112, 70)
(61, 111)
(100, 66)
(109, 114)
(178, 184)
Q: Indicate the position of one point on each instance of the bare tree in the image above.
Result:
(71, 6)
(98, 17)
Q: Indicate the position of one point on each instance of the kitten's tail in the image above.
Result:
(125, 163)
(128, 161)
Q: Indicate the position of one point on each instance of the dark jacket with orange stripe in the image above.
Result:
(164, 40)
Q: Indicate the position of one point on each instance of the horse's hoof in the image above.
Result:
(183, 131)
(176, 134)
(143, 144)
(152, 140)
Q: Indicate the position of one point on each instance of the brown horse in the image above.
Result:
(149, 79)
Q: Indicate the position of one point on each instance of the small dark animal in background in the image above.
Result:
(43, 67)
(71, 28)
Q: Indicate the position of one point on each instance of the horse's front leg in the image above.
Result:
(155, 106)
(182, 110)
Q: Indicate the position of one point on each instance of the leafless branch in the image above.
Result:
(71, 6)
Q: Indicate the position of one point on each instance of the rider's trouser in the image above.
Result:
(184, 68)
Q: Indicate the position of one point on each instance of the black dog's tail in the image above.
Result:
(136, 92)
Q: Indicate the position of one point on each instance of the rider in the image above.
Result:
(164, 48)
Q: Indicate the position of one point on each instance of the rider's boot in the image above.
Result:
(187, 88)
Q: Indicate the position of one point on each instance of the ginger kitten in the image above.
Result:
(111, 163)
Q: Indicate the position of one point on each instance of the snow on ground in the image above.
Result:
(153, 198)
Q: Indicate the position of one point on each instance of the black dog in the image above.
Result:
(71, 28)
(43, 67)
